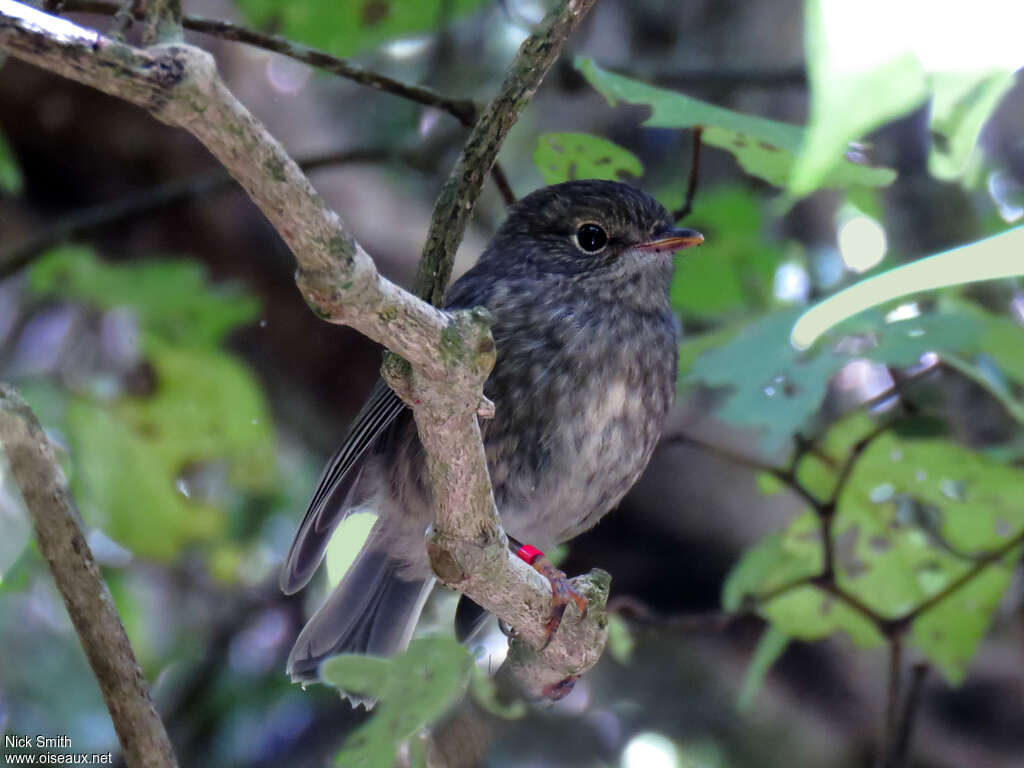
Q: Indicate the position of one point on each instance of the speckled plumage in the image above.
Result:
(585, 374)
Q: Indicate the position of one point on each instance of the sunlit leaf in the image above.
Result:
(916, 516)
(764, 148)
(849, 96)
(961, 103)
(569, 156)
(948, 633)
(811, 613)
(344, 29)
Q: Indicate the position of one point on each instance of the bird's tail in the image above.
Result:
(372, 611)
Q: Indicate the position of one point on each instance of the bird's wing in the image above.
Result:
(333, 497)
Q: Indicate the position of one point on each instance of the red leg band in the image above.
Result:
(528, 554)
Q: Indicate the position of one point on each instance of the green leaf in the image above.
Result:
(775, 389)
(764, 148)
(347, 28)
(770, 648)
(692, 347)
(916, 516)
(854, 89)
(485, 693)
(961, 104)
(569, 156)
(126, 487)
(131, 457)
(777, 560)
(620, 640)
(413, 689)
(11, 181)
(734, 270)
(949, 633)
(768, 484)
(809, 613)
(366, 675)
(172, 298)
(1000, 338)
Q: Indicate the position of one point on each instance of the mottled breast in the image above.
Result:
(582, 391)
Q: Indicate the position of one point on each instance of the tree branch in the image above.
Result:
(88, 601)
(455, 203)
(449, 355)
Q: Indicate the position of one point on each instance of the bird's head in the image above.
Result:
(589, 228)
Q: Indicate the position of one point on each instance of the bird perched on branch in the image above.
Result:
(577, 280)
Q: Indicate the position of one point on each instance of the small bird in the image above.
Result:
(577, 281)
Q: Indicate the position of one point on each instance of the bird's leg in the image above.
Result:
(561, 590)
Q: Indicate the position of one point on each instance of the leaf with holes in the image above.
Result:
(768, 149)
(777, 560)
(568, 156)
(918, 517)
(775, 389)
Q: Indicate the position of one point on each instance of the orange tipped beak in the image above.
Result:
(672, 240)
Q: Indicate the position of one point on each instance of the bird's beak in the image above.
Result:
(671, 240)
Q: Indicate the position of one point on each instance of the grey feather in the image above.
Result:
(372, 611)
(336, 489)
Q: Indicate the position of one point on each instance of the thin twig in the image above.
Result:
(455, 204)
(463, 110)
(636, 610)
(691, 186)
(785, 475)
(908, 715)
(890, 726)
(88, 601)
(195, 187)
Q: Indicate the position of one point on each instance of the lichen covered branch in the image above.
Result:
(88, 601)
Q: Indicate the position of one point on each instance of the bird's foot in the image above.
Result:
(562, 591)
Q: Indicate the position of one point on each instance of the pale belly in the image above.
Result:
(591, 466)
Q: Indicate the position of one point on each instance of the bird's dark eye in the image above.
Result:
(591, 238)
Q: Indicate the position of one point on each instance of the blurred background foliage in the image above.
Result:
(809, 516)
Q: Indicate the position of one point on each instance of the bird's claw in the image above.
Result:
(562, 593)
